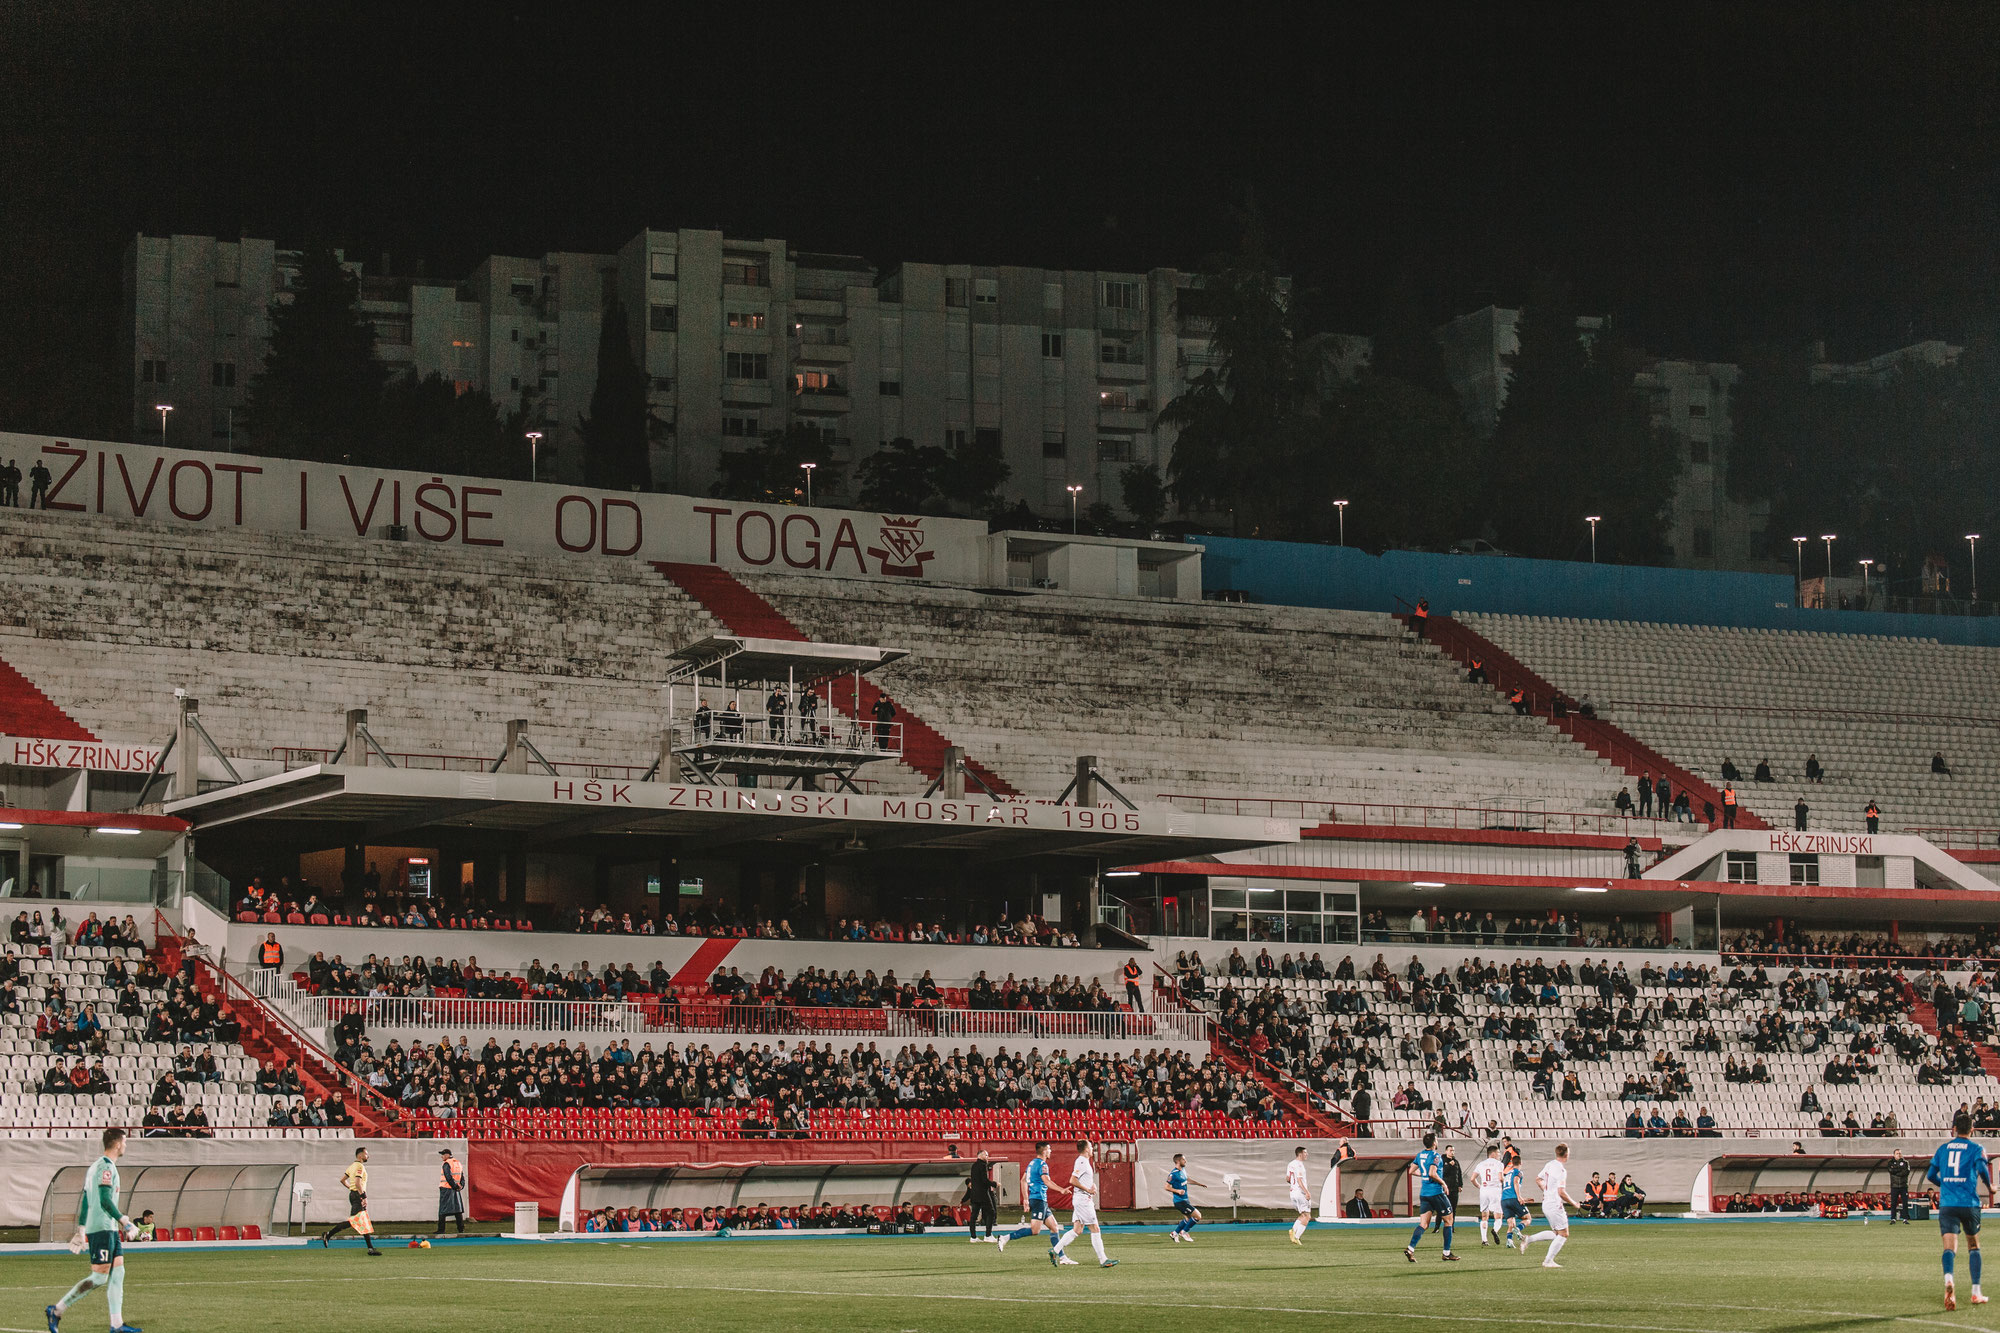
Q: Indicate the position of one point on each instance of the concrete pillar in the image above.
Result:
(1086, 779)
(516, 757)
(1093, 899)
(357, 748)
(670, 770)
(952, 779)
(187, 750)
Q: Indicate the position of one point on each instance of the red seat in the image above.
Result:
(228, 1233)
(183, 1233)
(204, 1233)
(251, 1231)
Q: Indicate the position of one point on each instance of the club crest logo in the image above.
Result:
(901, 553)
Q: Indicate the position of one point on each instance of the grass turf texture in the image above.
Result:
(1784, 1277)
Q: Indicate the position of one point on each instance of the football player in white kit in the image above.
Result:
(1487, 1175)
(1083, 1209)
(1295, 1184)
(1556, 1203)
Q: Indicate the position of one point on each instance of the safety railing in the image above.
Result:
(824, 729)
(1412, 1127)
(1905, 963)
(668, 1015)
(1487, 817)
(304, 756)
(1115, 1026)
(1793, 714)
(1958, 839)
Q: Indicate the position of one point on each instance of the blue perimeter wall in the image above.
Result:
(1346, 578)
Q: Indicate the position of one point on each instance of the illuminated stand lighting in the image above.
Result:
(1074, 491)
(807, 468)
(534, 443)
(1593, 520)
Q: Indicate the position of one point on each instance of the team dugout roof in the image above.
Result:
(328, 805)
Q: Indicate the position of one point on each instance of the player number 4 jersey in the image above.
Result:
(1957, 1169)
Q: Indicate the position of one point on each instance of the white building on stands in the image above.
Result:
(1063, 370)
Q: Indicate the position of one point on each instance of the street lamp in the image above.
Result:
(1593, 520)
(1799, 550)
(163, 409)
(1340, 506)
(807, 468)
(1864, 582)
(1972, 540)
(534, 442)
(1074, 491)
(1828, 539)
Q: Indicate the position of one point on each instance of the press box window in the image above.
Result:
(1805, 868)
(1740, 867)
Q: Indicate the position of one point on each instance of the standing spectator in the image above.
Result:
(884, 712)
(39, 478)
(1799, 813)
(1646, 795)
(1131, 972)
(1663, 796)
(1874, 815)
(1631, 858)
(1729, 807)
(10, 485)
(1420, 618)
(777, 706)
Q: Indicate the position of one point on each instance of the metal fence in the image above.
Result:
(664, 1015)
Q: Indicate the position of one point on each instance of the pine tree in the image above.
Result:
(318, 395)
(615, 444)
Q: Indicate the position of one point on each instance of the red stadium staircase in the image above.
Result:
(1926, 1017)
(26, 711)
(1505, 672)
(743, 612)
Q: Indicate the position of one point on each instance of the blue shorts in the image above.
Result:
(108, 1245)
(1434, 1203)
(1186, 1208)
(1951, 1219)
(1513, 1208)
(1038, 1209)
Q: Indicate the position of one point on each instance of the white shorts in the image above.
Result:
(1300, 1203)
(1084, 1213)
(1557, 1215)
(1489, 1201)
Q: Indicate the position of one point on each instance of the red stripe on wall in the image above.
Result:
(698, 969)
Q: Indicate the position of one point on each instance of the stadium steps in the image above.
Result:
(1925, 1014)
(271, 1042)
(26, 711)
(744, 612)
(1504, 671)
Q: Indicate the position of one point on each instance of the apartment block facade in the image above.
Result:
(1063, 371)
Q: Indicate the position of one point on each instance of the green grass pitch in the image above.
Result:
(1784, 1277)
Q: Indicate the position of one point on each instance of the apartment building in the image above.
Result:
(1063, 371)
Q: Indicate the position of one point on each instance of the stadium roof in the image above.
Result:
(768, 660)
(326, 805)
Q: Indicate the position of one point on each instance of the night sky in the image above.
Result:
(1705, 177)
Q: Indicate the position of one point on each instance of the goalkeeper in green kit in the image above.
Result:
(104, 1230)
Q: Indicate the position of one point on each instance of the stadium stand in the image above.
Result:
(1527, 1048)
(1873, 711)
(151, 1051)
(1200, 697)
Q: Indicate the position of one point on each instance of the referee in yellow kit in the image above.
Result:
(355, 1178)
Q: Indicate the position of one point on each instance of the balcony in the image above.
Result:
(813, 401)
(1120, 321)
(822, 347)
(1122, 372)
